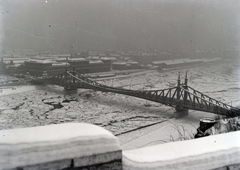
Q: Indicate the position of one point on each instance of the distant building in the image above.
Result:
(57, 68)
(194, 61)
(211, 60)
(170, 63)
(184, 62)
(143, 58)
(126, 65)
(119, 66)
(81, 65)
(36, 67)
(8, 60)
(97, 66)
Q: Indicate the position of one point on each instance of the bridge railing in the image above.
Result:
(86, 80)
(180, 96)
(197, 98)
(208, 99)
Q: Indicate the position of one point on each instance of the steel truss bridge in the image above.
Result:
(182, 97)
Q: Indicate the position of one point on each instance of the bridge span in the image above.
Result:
(182, 97)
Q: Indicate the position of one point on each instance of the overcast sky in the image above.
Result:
(163, 25)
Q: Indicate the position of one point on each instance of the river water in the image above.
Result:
(27, 106)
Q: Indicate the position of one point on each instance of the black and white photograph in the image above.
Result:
(119, 85)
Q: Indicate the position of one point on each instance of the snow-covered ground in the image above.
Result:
(29, 106)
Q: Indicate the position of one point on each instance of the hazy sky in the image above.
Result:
(175, 25)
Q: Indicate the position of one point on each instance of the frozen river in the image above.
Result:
(28, 106)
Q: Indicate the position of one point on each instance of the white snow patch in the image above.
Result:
(204, 153)
(8, 90)
(50, 143)
(52, 133)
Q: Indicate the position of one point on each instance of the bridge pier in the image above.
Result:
(180, 112)
(70, 90)
(71, 82)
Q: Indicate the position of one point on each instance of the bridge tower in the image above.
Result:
(74, 79)
(70, 81)
(185, 98)
(180, 111)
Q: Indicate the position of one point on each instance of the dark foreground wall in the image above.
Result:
(106, 161)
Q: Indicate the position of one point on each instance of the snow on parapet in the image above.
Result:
(38, 145)
(199, 154)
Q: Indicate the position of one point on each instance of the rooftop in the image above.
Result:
(42, 61)
(95, 62)
(76, 59)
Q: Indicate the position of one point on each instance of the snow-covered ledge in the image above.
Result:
(213, 152)
(60, 146)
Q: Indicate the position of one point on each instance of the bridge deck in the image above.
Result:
(182, 95)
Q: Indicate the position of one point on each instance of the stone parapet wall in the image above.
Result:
(115, 165)
(213, 152)
(70, 164)
(56, 147)
(80, 146)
